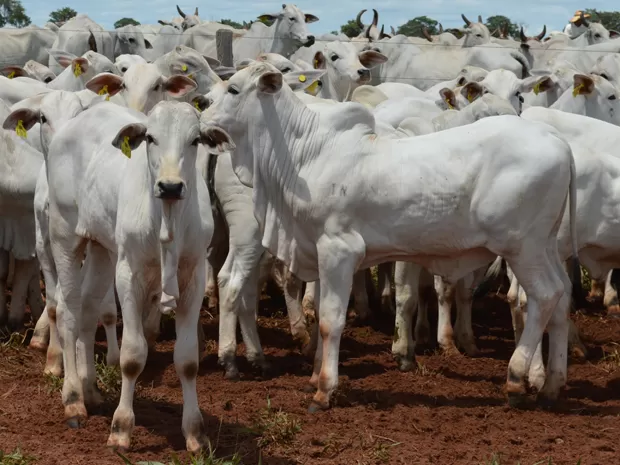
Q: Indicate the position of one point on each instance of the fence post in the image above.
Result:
(223, 42)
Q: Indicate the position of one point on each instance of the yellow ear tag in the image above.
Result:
(312, 87)
(470, 96)
(449, 104)
(12, 75)
(104, 91)
(184, 68)
(197, 105)
(537, 88)
(191, 76)
(316, 63)
(302, 78)
(20, 130)
(125, 148)
(577, 89)
(78, 70)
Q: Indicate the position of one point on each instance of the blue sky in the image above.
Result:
(534, 13)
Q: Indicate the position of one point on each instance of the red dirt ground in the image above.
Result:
(451, 411)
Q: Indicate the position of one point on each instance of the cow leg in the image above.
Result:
(406, 281)
(558, 329)
(24, 270)
(108, 316)
(517, 300)
(464, 333)
(445, 298)
(133, 296)
(426, 292)
(68, 253)
(292, 294)
(34, 299)
(308, 301)
(4, 274)
(238, 283)
(360, 295)
(97, 297)
(211, 290)
(186, 359)
(337, 265)
(385, 273)
(610, 299)
(544, 289)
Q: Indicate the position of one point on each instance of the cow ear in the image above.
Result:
(582, 85)
(27, 116)
(79, 65)
(537, 84)
(268, 17)
(447, 95)
(215, 139)
(178, 85)
(200, 102)
(147, 44)
(319, 61)
(213, 62)
(270, 82)
(613, 34)
(135, 134)
(63, 58)
(311, 18)
(243, 63)
(101, 81)
(471, 91)
(14, 71)
(370, 58)
(301, 80)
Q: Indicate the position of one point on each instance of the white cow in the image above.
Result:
(130, 40)
(21, 45)
(345, 210)
(123, 62)
(79, 35)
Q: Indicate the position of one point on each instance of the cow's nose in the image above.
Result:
(310, 41)
(364, 73)
(170, 190)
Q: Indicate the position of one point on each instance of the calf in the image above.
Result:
(330, 225)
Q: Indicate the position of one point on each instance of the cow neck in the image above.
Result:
(283, 46)
(335, 87)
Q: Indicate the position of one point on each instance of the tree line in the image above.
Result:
(12, 13)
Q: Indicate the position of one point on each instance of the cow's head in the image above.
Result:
(130, 40)
(475, 33)
(240, 104)
(124, 62)
(345, 64)
(189, 20)
(39, 71)
(51, 110)
(291, 24)
(172, 133)
(143, 86)
(601, 97)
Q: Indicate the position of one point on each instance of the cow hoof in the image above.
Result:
(76, 422)
(38, 344)
(232, 374)
(316, 407)
(118, 443)
(309, 389)
(404, 363)
(450, 349)
(194, 445)
(578, 353)
(517, 401)
(470, 349)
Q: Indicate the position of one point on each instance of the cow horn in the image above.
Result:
(542, 34)
(480, 19)
(375, 17)
(382, 34)
(92, 43)
(522, 35)
(368, 36)
(585, 22)
(196, 12)
(180, 12)
(467, 21)
(426, 34)
(358, 20)
(393, 30)
(440, 28)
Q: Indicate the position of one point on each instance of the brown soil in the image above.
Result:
(451, 411)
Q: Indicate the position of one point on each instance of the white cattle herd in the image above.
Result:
(133, 160)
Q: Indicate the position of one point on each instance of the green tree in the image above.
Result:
(415, 27)
(500, 22)
(12, 12)
(126, 22)
(609, 19)
(231, 23)
(351, 29)
(62, 14)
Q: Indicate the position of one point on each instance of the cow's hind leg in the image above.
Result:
(407, 276)
(537, 272)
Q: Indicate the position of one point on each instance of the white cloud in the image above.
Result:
(534, 13)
